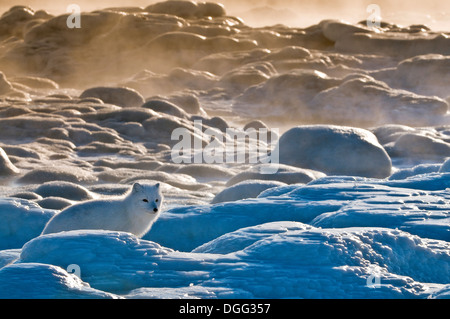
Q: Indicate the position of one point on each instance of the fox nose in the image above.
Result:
(155, 209)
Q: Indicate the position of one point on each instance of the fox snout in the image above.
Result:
(154, 208)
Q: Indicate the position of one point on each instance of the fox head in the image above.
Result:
(147, 197)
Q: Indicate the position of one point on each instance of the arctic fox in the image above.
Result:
(134, 212)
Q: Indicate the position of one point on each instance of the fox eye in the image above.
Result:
(145, 200)
(156, 200)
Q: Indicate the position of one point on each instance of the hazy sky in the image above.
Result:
(435, 13)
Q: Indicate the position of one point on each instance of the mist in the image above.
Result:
(293, 13)
(284, 136)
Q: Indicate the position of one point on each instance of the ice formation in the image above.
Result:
(358, 117)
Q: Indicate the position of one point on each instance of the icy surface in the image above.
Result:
(356, 204)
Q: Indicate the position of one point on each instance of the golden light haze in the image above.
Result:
(294, 13)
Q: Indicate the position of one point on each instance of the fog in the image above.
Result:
(434, 13)
(287, 134)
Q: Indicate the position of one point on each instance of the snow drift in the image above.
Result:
(357, 206)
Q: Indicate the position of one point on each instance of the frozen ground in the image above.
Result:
(358, 206)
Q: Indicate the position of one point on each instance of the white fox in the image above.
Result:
(134, 212)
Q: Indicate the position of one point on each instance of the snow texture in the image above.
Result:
(357, 207)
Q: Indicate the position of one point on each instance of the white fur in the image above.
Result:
(128, 213)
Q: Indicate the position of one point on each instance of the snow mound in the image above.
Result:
(338, 254)
(325, 202)
(279, 172)
(365, 100)
(402, 204)
(404, 173)
(8, 256)
(57, 203)
(422, 74)
(393, 44)
(60, 173)
(188, 9)
(443, 293)
(418, 143)
(245, 189)
(191, 292)
(335, 29)
(292, 91)
(244, 237)
(66, 190)
(206, 171)
(108, 260)
(334, 150)
(6, 167)
(196, 225)
(320, 263)
(22, 220)
(124, 97)
(313, 95)
(165, 107)
(43, 281)
(415, 145)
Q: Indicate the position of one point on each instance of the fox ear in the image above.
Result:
(137, 187)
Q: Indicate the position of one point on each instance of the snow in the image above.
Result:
(325, 239)
(245, 189)
(280, 172)
(310, 262)
(357, 207)
(6, 167)
(311, 146)
(125, 97)
(44, 281)
(22, 220)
